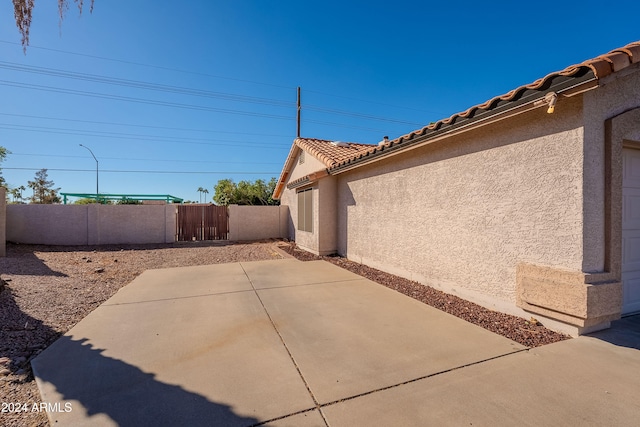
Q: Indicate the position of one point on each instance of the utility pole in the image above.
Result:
(298, 117)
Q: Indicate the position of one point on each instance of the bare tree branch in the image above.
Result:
(23, 12)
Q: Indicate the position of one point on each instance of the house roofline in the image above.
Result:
(573, 80)
(530, 100)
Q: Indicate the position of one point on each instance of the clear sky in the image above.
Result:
(206, 89)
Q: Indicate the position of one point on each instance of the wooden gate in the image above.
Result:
(202, 222)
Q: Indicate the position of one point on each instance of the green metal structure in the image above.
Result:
(101, 198)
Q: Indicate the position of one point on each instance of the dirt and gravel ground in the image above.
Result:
(48, 289)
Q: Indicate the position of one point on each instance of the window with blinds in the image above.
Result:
(305, 210)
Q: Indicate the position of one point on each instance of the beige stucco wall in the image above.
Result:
(307, 240)
(326, 216)
(310, 165)
(288, 198)
(618, 93)
(47, 224)
(257, 222)
(3, 221)
(462, 214)
(90, 224)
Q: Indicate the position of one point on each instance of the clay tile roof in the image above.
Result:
(331, 153)
(600, 66)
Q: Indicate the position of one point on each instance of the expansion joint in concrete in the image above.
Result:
(435, 374)
(293, 360)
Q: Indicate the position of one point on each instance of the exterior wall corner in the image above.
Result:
(580, 299)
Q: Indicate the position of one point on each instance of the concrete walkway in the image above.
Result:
(286, 343)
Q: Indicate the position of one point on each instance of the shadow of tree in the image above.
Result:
(126, 394)
(624, 332)
(22, 260)
(21, 336)
(71, 370)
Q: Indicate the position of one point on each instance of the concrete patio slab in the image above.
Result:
(212, 360)
(584, 381)
(351, 337)
(306, 419)
(280, 343)
(296, 273)
(167, 283)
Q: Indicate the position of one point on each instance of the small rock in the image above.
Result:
(115, 260)
(89, 260)
(20, 359)
(99, 270)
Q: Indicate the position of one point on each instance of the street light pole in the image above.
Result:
(94, 158)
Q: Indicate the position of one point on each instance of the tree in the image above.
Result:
(16, 193)
(23, 10)
(205, 191)
(3, 155)
(259, 192)
(85, 201)
(224, 192)
(126, 201)
(43, 191)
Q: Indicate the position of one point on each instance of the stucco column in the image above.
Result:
(3, 221)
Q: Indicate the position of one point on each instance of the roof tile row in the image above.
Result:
(331, 153)
(601, 66)
(335, 155)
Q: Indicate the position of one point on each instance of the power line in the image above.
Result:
(142, 126)
(192, 92)
(140, 137)
(158, 67)
(320, 122)
(144, 85)
(187, 91)
(171, 104)
(376, 102)
(145, 160)
(227, 78)
(139, 100)
(358, 115)
(148, 171)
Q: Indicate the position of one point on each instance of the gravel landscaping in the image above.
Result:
(46, 290)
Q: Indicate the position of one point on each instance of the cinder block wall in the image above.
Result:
(257, 222)
(127, 224)
(90, 224)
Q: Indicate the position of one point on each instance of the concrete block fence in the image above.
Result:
(123, 224)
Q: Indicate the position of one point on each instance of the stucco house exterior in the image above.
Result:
(528, 204)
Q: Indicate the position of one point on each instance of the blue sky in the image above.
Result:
(207, 90)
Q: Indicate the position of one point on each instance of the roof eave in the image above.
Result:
(286, 171)
(566, 86)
